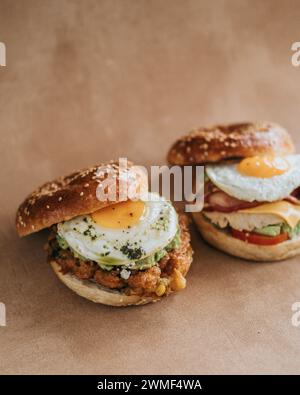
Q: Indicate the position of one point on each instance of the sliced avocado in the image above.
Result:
(270, 230)
(61, 242)
(175, 243)
(108, 263)
(275, 230)
(292, 232)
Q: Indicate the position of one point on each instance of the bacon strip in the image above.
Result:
(217, 200)
(294, 197)
(220, 201)
(293, 200)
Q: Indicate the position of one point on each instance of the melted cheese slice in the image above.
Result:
(287, 211)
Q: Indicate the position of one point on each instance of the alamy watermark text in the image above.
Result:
(2, 54)
(296, 56)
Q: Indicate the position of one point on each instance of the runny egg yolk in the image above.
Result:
(263, 166)
(120, 215)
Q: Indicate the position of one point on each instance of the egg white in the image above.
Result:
(156, 229)
(228, 179)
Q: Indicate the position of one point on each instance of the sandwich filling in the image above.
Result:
(135, 247)
(256, 200)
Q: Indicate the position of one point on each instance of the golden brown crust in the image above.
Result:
(67, 197)
(232, 141)
(223, 241)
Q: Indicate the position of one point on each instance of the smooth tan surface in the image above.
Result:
(91, 81)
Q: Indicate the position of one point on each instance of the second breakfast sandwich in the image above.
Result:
(252, 188)
(118, 252)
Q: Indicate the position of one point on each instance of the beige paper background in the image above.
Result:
(87, 81)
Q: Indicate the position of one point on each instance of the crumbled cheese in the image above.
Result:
(125, 274)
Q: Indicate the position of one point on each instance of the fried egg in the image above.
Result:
(122, 233)
(258, 179)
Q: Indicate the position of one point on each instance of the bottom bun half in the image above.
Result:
(98, 294)
(225, 242)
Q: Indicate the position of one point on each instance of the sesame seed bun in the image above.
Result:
(223, 241)
(233, 141)
(70, 196)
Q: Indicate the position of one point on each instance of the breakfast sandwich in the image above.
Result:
(117, 252)
(252, 188)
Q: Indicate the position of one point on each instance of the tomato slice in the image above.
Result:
(255, 238)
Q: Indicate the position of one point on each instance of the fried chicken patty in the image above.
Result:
(163, 278)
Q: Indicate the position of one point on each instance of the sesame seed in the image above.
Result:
(60, 199)
(86, 185)
(81, 193)
(48, 206)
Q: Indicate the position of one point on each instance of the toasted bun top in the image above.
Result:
(221, 142)
(75, 194)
